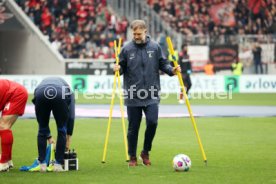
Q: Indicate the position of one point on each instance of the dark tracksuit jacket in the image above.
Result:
(140, 65)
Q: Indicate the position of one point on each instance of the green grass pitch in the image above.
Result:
(239, 150)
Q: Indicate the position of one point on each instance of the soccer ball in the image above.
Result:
(182, 162)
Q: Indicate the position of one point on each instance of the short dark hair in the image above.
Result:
(138, 24)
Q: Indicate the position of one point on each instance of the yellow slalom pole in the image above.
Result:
(110, 113)
(109, 120)
(117, 75)
(123, 117)
(121, 100)
(171, 50)
(118, 50)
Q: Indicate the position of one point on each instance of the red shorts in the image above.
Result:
(16, 103)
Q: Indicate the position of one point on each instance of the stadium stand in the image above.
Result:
(85, 29)
(77, 28)
(218, 17)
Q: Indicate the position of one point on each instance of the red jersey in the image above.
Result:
(13, 98)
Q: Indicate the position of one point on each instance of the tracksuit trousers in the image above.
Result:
(134, 119)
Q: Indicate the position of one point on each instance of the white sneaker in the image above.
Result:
(58, 168)
(4, 167)
(181, 102)
(10, 164)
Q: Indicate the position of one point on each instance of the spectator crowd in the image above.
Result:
(218, 17)
(87, 28)
(77, 28)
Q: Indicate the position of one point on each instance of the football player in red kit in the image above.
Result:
(13, 99)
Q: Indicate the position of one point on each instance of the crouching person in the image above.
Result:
(53, 94)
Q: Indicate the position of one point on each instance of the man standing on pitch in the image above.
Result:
(186, 70)
(13, 99)
(140, 62)
(54, 94)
